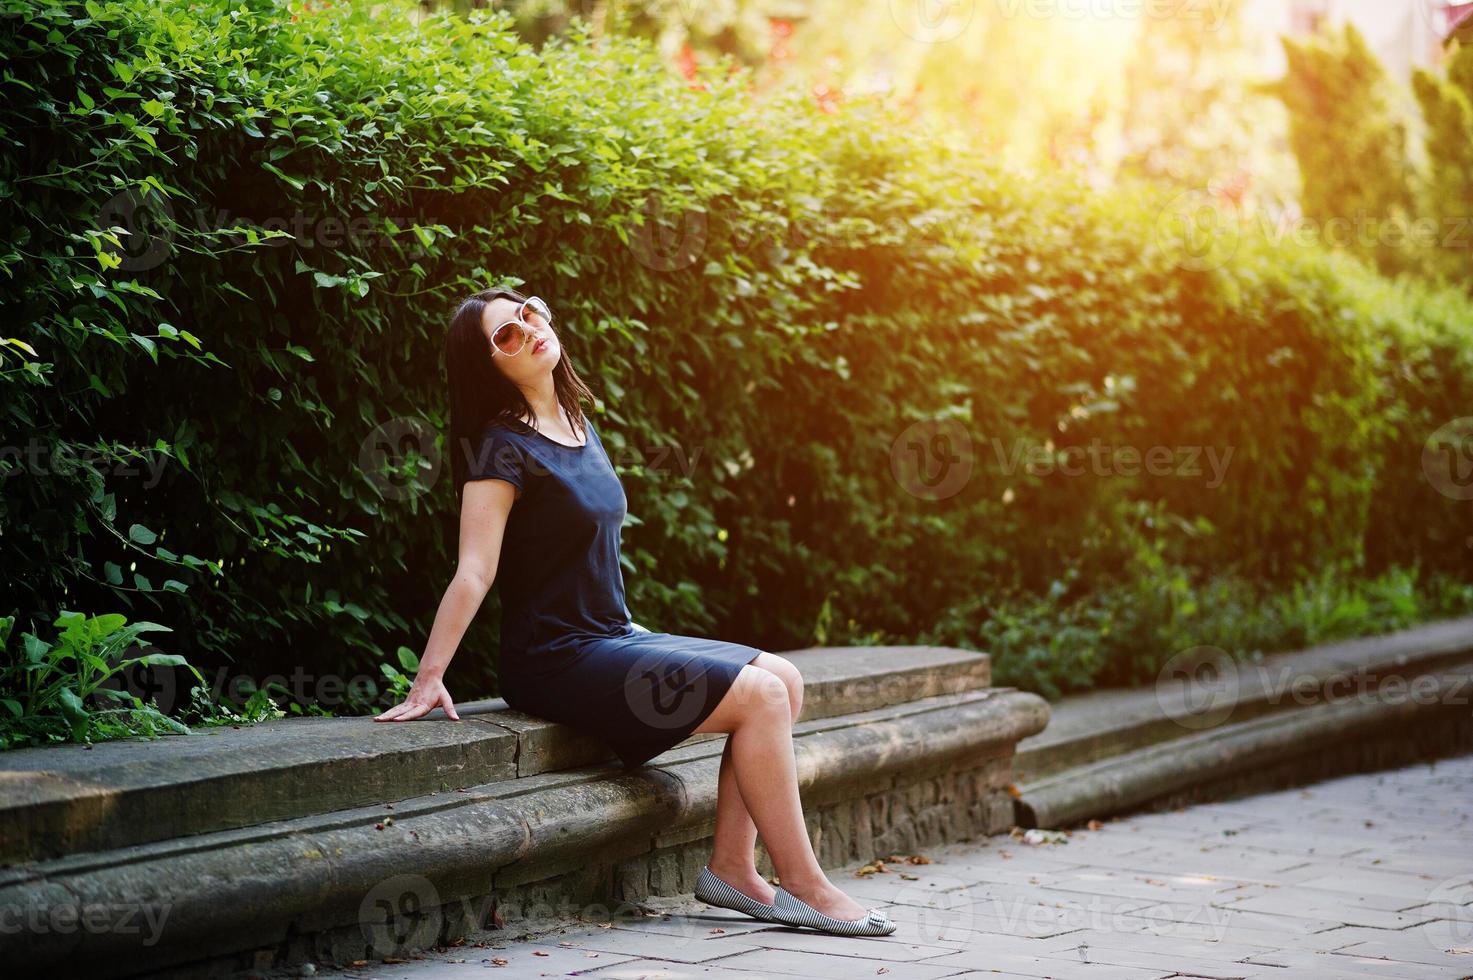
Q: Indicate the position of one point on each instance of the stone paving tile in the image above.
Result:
(826, 966)
(1221, 919)
(1320, 962)
(1366, 877)
(990, 963)
(1301, 903)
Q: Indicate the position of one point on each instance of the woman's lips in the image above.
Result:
(539, 347)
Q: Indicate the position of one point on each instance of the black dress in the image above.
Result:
(569, 650)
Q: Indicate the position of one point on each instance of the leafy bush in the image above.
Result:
(235, 236)
(75, 687)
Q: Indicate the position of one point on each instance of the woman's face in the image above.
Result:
(540, 349)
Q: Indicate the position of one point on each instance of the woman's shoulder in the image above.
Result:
(507, 429)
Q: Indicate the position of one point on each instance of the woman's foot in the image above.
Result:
(829, 900)
(745, 880)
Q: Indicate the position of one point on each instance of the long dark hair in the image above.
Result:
(481, 394)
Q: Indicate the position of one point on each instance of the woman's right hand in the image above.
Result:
(425, 695)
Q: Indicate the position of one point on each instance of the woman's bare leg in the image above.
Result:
(733, 850)
(757, 714)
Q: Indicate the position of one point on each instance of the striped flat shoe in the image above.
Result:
(792, 910)
(713, 891)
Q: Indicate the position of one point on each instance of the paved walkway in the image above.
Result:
(1361, 877)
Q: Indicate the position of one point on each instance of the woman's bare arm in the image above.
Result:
(483, 517)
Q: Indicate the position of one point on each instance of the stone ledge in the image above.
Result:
(276, 885)
(60, 800)
(1111, 752)
(1098, 725)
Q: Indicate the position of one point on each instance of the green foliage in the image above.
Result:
(1447, 106)
(73, 688)
(765, 296)
(1351, 145)
(1121, 627)
(400, 682)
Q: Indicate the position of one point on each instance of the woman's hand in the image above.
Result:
(425, 695)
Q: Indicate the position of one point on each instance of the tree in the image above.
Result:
(1352, 148)
(1447, 107)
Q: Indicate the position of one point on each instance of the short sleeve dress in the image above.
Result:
(569, 650)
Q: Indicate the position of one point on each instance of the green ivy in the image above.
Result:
(235, 233)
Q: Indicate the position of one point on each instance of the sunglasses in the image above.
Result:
(520, 332)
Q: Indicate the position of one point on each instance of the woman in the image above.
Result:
(541, 510)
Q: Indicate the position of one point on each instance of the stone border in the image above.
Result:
(316, 887)
(1322, 711)
(67, 799)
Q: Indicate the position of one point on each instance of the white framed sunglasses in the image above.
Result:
(516, 335)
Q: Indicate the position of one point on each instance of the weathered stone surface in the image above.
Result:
(1266, 750)
(386, 878)
(61, 800)
(1370, 702)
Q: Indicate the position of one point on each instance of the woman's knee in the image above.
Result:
(755, 695)
(792, 680)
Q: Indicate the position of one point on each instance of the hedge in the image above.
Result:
(236, 231)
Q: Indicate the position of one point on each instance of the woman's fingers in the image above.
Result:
(448, 705)
(405, 711)
(393, 713)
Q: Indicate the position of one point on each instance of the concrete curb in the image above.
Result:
(257, 887)
(64, 799)
(1402, 696)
